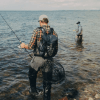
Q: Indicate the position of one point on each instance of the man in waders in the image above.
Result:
(79, 33)
(39, 61)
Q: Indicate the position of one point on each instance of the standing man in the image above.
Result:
(39, 61)
(79, 32)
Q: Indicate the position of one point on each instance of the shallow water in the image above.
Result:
(82, 64)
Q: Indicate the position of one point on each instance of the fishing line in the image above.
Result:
(15, 34)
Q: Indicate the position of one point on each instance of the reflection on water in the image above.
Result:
(81, 62)
(79, 46)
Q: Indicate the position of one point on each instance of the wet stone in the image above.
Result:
(90, 98)
(97, 96)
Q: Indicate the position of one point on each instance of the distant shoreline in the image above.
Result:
(48, 10)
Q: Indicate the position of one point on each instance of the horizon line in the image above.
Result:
(53, 10)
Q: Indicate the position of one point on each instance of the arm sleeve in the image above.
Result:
(33, 41)
(54, 33)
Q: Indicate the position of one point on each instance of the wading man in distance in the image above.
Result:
(79, 33)
(44, 43)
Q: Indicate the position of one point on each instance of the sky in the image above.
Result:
(49, 5)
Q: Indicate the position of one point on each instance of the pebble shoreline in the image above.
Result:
(88, 92)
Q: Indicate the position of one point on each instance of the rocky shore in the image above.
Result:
(84, 92)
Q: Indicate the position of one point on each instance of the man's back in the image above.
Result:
(37, 38)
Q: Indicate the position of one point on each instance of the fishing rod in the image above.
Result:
(15, 34)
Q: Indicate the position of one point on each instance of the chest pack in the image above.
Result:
(47, 47)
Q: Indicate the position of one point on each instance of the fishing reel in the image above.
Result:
(19, 46)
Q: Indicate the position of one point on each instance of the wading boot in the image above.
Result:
(32, 79)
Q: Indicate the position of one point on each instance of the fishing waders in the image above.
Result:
(47, 77)
(32, 79)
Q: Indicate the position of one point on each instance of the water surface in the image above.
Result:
(82, 64)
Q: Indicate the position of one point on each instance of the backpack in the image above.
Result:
(47, 47)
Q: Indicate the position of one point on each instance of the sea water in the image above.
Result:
(81, 64)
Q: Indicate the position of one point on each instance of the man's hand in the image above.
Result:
(76, 36)
(22, 45)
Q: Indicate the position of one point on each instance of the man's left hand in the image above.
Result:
(22, 45)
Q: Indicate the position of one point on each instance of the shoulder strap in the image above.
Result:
(44, 32)
(51, 30)
(41, 28)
